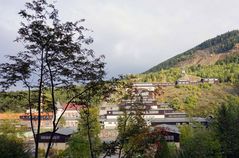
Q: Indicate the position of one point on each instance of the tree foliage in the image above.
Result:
(169, 75)
(56, 54)
(13, 101)
(227, 127)
(198, 142)
(135, 137)
(12, 148)
(50, 43)
(224, 72)
(11, 140)
(86, 143)
(79, 145)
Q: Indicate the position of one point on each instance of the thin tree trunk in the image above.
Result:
(39, 103)
(68, 103)
(56, 122)
(122, 146)
(88, 132)
(30, 107)
(110, 149)
(53, 107)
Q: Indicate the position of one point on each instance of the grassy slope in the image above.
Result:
(198, 100)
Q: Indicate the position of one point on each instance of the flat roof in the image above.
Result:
(175, 113)
(166, 120)
(177, 120)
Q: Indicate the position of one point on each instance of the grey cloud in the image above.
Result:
(136, 35)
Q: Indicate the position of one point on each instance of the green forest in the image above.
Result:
(16, 101)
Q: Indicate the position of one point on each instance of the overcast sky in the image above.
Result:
(134, 35)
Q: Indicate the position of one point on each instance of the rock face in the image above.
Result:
(204, 57)
(206, 53)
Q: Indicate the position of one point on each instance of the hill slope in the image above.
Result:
(206, 53)
(198, 100)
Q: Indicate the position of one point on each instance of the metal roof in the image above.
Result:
(66, 131)
(169, 128)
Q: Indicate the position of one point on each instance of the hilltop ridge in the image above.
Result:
(206, 53)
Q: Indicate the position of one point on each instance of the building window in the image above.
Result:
(169, 138)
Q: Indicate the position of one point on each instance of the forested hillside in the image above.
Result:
(197, 100)
(225, 71)
(206, 53)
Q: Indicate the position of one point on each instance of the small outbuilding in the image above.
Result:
(59, 140)
(172, 133)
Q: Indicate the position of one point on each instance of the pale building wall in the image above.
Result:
(56, 146)
(153, 116)
(112, 116)
(110, 125)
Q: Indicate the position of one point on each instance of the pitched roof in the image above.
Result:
(63, 131)
(169, 128)
(72, 106)
(66, 131)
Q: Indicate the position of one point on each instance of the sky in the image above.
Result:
(134, 35)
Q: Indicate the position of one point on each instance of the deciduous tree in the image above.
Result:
(56, 55)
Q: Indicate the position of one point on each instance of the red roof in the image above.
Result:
(72, 106)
